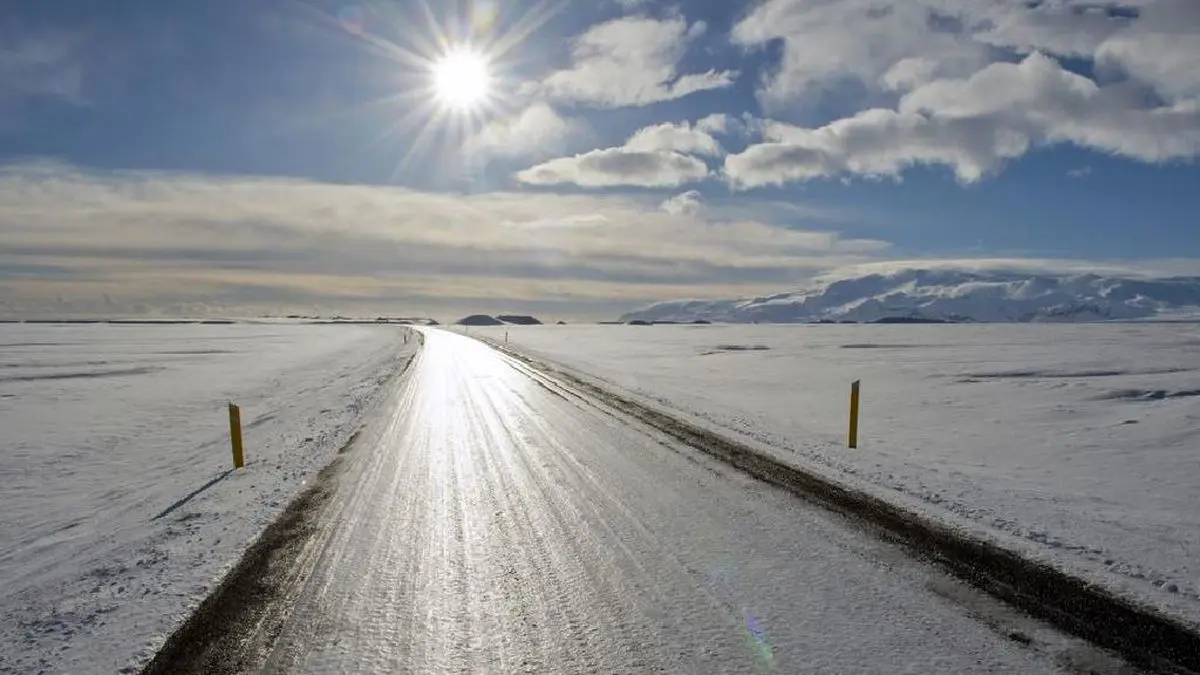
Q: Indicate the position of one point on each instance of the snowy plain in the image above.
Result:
(119, 509)
(1075, 444)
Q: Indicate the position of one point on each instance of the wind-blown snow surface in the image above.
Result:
(105, 431)
(1076, 444)
(950, 295)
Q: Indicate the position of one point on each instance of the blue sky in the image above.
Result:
(227, 156)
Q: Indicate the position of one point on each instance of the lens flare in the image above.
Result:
(352, 19)
(484, 14)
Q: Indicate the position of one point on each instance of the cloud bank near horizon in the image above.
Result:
(74, 241)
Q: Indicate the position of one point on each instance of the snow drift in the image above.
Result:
(950, 295)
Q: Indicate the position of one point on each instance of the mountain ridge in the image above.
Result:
(950, 295)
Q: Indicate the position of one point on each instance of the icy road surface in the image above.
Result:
(494, 523)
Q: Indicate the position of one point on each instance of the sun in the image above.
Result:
(461, 80)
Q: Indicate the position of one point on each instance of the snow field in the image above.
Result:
(120, 511)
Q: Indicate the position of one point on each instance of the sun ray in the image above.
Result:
(461, 80)
(452, 71)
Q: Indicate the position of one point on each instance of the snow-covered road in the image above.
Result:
(494, 522)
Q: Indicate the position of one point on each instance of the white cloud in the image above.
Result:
(684, 204)
(612, 167)
(537, 132)
(717, 124)
(894, 45)
(1161, 48)
(720, 124)
(1081, 172)
(1067, 28)
(169, 240)
(1142, 268)
(973, 125)
(658, 156)
(631, 61)
(826, 42)
(681, 137)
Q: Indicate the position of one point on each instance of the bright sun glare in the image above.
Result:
(461, 79)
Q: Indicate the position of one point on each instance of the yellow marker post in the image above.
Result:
(235, 434)
(854, 414)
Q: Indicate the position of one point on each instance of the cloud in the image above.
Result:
(893, 45)
(681, 137)
(631, 61)
(721, 124)
(170, 242)
(612, 167)
(1144, 268)
(1161, 48)
(856, 40)
(42, 64)
(973, 125)
(658, 156)
(1081, 172)
(1070, 28)
(536, 132)
(685, 204)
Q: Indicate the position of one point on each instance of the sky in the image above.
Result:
(168, 157)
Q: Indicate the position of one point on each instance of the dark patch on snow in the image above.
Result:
(1032, 374)
(196, 352)
(1060, 374)
(719, 349)
(874, 345)
(145, 370)
(1018, 636)
(188, 517)
(1147, 395)
(61, 364)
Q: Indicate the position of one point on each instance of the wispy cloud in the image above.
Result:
(658, 156)
(156, 239)
(684, 204)
(632, 61)
(537, 131)
(42, 64)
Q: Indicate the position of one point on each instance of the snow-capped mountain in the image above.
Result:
(950, 295)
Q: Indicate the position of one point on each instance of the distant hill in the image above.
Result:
(479, 320)
(945, 295)
(519, 319)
